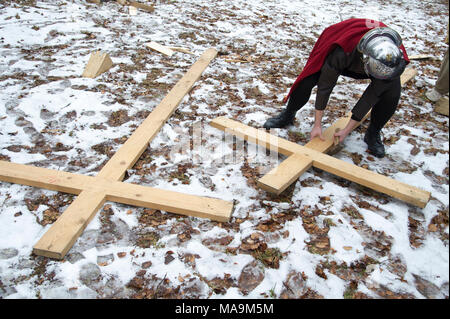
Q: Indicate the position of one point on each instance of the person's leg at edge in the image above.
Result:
(442, 81)
(441, 86)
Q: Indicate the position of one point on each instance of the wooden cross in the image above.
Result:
(93, 192)
(278, 179)
(301, 158)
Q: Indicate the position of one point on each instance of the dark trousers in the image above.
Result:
(382, 109)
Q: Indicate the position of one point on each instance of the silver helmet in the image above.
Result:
(382, 56)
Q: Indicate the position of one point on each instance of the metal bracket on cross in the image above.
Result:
(93, 192)
(301, 158)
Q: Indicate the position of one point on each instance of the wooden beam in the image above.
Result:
(420, 57)
(44, 178)
(407, 75)
(132, 10)
(142, 6)
(98, 63)
(93, 193)
(380, 183)
(160, 48)
(125, 193)
(279, 178)
(169, 201)
(62, 235)
(133, 148)
(180, 49)
(276, 183)
(135, 4)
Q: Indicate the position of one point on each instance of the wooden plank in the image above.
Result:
(125, 193)
(442, 106)
(44, 178)
(62, 235)
(142, 6)
(160, 48)
(182, 50)
(132, 149)
(169, 201)
(277, 184)
(132, 10)
(380, 183)
(420, 57)
(279, 178)
(253, 135)
(69, 226)
(292, 169)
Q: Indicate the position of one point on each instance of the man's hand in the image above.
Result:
(317, 128)
(317, 132)
(342, 134)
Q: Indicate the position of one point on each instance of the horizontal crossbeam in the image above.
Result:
(98, 190)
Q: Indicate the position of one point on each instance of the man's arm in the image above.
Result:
(332, 68)
(342, 134)
(370, 97)
(329, 74)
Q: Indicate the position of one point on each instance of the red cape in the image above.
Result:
(345, 34)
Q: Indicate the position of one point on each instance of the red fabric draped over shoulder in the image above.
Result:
(345, 34)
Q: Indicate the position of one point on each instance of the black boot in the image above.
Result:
(374, 143)
(283, 119)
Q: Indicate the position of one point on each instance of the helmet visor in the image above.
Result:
(379, 70)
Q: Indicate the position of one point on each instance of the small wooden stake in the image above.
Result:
(98, 63)
(132, 10)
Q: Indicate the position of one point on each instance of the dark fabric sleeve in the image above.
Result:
(370, 97)
(333, 66)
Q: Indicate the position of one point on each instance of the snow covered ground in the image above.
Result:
(323, 238)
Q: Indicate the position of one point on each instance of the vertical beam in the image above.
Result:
(133, 148)
(120, 192)
(279, 178)
(61, 236)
